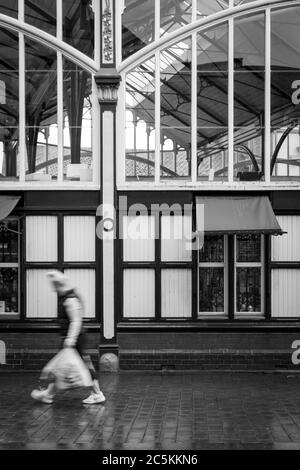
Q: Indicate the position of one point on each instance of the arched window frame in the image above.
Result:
(62, 49)
(190, 30)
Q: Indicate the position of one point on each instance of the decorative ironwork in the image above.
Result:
(107, 32)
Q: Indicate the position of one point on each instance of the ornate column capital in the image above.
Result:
(108, 82)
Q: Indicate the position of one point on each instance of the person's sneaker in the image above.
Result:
(42, 396)
(94, 398)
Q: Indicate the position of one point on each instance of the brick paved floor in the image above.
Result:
(205, 410)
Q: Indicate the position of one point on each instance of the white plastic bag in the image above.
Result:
(68, 370)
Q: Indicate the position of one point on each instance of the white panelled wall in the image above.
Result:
(42, 249)
(285, 293)
(287, 246)
(139, 238)
(41, 238)
(41, 300)
(139, 293)
(175, 231)
(84, 280)
(79, 238)
(176, 293)
(286, 281)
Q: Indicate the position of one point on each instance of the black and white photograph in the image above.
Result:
(149, 229)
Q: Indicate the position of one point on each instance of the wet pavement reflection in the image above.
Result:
(203, 410)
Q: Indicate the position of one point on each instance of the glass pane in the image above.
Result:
(9, 290)
(9, 8)
(211, 290)
(137, 25)
(239, 2)
(285, 94)
(41, 112)
(176, 156)
(212, 126)
(174, 14)
(9, 105)
(248, 248)
(175, 110)
(208, 7)
(249, 42)
(285, 39)
(212, 250)
(140, 120)
(285, 121)
(78, 25)
(78, 157)
(9, 239)
(248, 290)
(41, 14)
(212, 103)
(212, 49)
(249, 96)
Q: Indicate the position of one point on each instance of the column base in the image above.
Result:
(109, 358)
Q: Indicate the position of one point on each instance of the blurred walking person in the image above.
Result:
(73, 336)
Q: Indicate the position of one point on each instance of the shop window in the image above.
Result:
(248, 273)
(212, 276)
(9, 268)
(216, 264)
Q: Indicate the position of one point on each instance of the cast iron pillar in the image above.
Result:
(108, 83)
